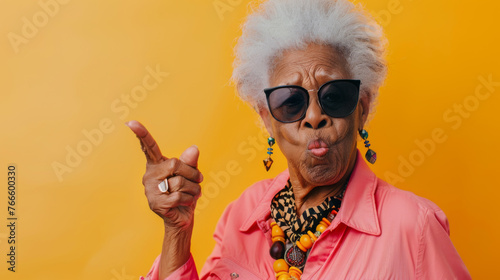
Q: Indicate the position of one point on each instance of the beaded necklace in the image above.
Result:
(289, 262)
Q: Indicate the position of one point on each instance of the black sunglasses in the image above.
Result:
(337, 98)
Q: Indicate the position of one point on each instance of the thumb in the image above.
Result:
(190, 156)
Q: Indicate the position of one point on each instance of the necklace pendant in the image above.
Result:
(295, 257)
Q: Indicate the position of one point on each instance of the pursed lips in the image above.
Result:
(318, 147)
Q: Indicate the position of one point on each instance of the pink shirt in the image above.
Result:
(380, 232)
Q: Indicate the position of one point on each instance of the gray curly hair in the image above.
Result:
(278, 25)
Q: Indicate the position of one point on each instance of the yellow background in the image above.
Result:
(94, 222)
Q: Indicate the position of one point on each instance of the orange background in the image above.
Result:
(71, 80)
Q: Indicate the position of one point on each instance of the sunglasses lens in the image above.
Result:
(339, 98)
(288, 104)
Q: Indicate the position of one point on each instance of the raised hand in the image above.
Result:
(176, 205)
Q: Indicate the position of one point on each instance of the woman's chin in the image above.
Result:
(322, 174)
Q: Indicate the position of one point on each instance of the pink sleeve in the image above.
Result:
(215, 256)
(186, 271)
(437, 257)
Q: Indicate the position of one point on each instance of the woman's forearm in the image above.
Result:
(172, 186)
(175, 251)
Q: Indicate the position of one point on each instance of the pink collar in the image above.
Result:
(358, 208)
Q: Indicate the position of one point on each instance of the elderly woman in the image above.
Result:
(312, 70)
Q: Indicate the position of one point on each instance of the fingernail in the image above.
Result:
(127, 123)
(201, 177)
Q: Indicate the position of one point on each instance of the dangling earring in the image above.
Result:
(370, 155)
(269, 161)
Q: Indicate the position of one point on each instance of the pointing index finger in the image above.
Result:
(148, 143)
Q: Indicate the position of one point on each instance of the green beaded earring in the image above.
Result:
(370, 155)
(269, 161)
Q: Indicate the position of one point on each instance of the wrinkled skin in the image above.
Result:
(315, 177)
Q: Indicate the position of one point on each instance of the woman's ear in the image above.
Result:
(266, 118)
(364, 108)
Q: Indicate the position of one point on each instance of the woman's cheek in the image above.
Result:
(292, 133)
(288, 141)
(289, 150)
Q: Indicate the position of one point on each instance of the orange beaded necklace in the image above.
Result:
(282, 268)
(290, 262)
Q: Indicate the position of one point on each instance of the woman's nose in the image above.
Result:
(315, 118)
